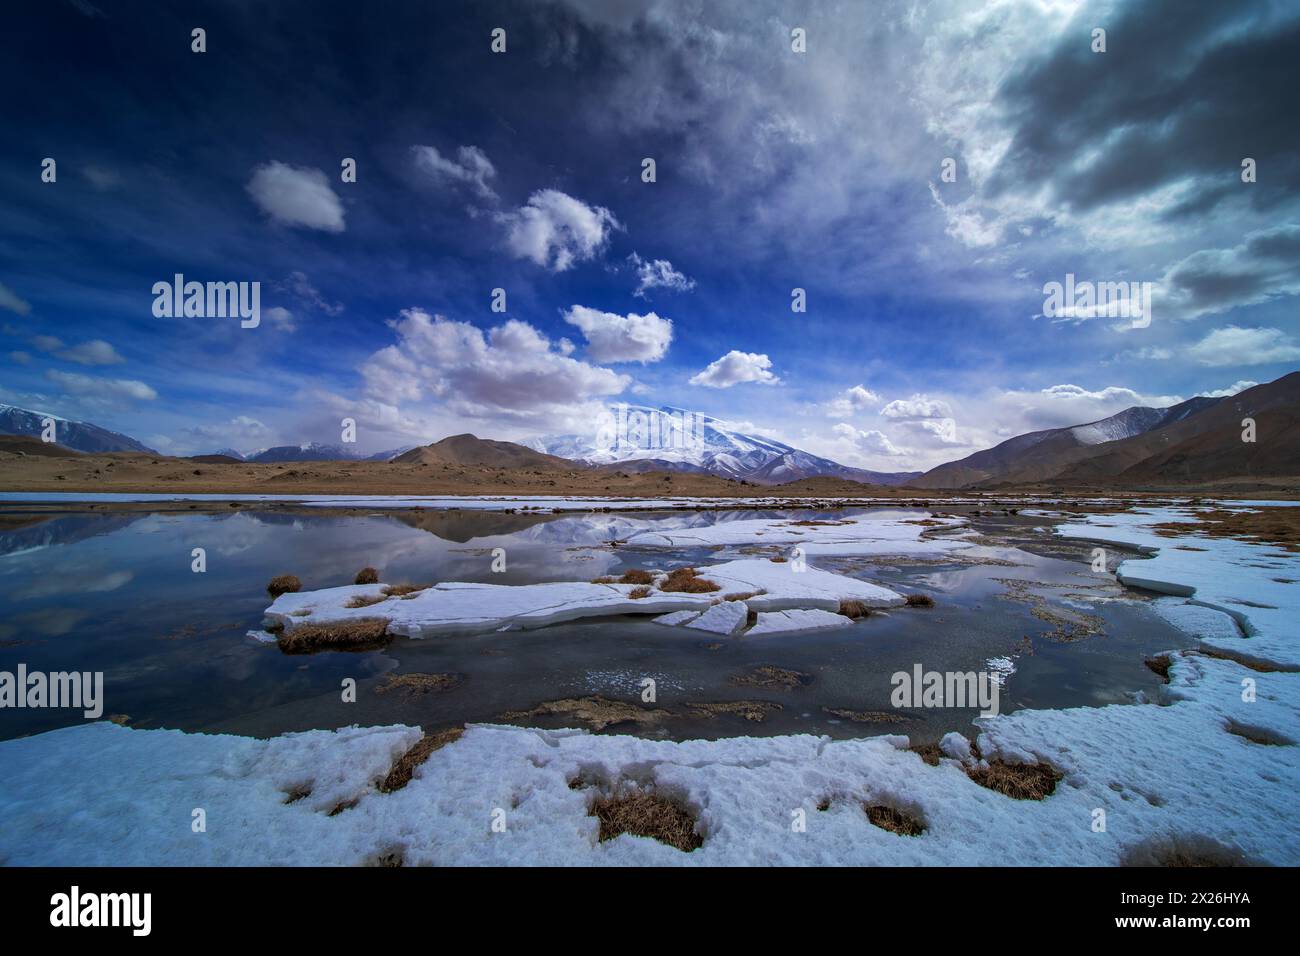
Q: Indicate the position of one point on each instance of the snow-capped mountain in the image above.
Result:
(315, 451)
(79, 436)
(1038, 456)
(647, 438)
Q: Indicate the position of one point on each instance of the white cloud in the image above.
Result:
(296, 196)
(513, 372)
(852, 400)
(658, 274)
(93, 352)
(104, 389)
(470, 167)
(734, 368)
(871, 442)
(20, 358)
(281, 318)
(47, 343)
(1234, 345)
(9, 300)
(916, 407)
(556, 231)
(241, 430)
(619, 338)
(1232, 389)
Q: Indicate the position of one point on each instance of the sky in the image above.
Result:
(796, 146)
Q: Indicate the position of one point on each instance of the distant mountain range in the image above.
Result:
(642, 438)
(79, 436)
(1198, 440)
(312, 451)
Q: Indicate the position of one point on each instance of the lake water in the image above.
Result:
(112, 590)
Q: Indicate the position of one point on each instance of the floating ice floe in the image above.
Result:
(860, 535)
(780, 622)
(726, 617)
(463, 608)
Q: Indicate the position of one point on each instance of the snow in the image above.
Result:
(726, 617)
(780, 622)
(1236, 578)
(862, 535)
(462, 608)
(130, 798)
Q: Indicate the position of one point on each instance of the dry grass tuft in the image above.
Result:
(647, 815)
(1191, 850)
(359, 635)
(362, 601)
(766, 675)
(920, 600)
(604, 579)
(636, 576)
(687, 580)
(874, 717)
(637, 594)
(779, 559)
(400, 774)
(742, 596)
(1160, 665)
(404, 590)
(854, 609)
(1020, 781)
(367, 576)
(752, 710)
(419, 683)
(1258, 735)
(893, 820)
(283, 584)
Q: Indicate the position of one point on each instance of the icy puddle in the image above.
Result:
(764, 746)
(115, 592)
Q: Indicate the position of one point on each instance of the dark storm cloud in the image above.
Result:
(1185, 91)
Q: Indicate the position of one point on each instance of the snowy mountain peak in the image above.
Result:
(674, 439)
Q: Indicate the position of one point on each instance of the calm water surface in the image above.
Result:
(113, 591)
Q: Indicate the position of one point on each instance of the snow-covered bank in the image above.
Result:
(1255, 584)
(1159, 773)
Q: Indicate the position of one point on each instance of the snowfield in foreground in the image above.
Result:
(1214, 763)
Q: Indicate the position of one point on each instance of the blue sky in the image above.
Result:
(923, 338)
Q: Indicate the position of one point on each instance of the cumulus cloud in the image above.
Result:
(471, 168)
(93, 352)
(658, 274)
(9, 300)
(871, 442)
(734, 368)
(851, 401)
(102, 389)
(296, 196)
(514, 371)
(557, 231)
(1234, 345)
(915, 408)
(622, 338)
(20, 358)
(47, 343)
